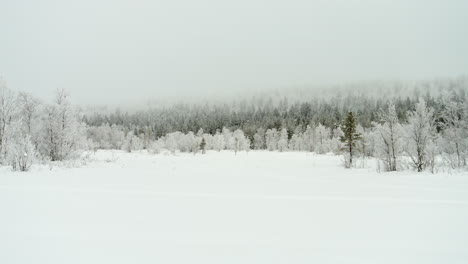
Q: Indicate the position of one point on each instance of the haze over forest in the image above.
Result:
(129, 52)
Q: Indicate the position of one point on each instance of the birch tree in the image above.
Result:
(389, 134)
(8, 112)
(455, 133)
(419, 133)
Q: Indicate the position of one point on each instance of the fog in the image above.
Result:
(115, 52)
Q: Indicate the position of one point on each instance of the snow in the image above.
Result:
(256, 207)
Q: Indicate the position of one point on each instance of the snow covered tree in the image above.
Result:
(389, 134)
(208, 140)
(241, 142)
(192, 142)
(29, 106)
(229, 140)
(283, 140)
(8, 114)
(338, 132)
(259, 139)
(334, 144)
(419, 133)
(184, 142)
(200, 133)
(432, 151)
(363, 144)
(455, 133)
(218, 141)
(146, 136)
(19, 150)
(271, 139)
(297, 140)
(309, 138)
(322, 140)
(64, 135)
(171, 142)
(350, 137)
(116, 137)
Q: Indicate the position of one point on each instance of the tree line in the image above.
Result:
(423, 129)
(32, 131)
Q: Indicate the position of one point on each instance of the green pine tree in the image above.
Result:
(350, 137)
(203, 145)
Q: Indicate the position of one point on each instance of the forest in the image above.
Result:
(405, 125)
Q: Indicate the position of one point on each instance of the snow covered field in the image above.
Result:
(257, 207)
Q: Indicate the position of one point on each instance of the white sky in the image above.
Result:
(114, 51)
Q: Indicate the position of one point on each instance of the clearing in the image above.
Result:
(256, 207)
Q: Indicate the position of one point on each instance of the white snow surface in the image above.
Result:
(256, 207)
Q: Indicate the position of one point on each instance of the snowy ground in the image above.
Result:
(259, 207)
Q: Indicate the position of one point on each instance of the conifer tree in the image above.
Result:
(203, 146)
(350, 137)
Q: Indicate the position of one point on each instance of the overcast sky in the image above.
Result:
(113, 51)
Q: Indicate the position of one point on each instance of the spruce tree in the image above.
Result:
(350, 137)
(203, 146)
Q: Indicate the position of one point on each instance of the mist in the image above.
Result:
(126, 52)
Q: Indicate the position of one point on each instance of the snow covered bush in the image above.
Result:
(132, 142)
(157, 146)
(107, 137)
(189, 142)
(21, 153)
